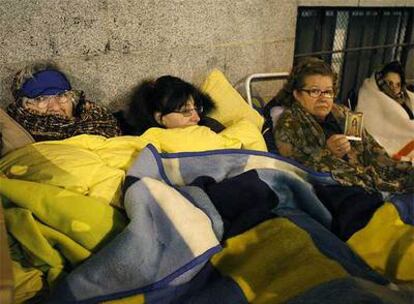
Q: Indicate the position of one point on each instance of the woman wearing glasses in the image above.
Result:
(49, 109)
(311, 131)
(167, 102)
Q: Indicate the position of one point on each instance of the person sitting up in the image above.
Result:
(388, 110)
(310, 131)
(49, 109)
(167, 102)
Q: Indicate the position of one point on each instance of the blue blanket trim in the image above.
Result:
(405, 206)
(332, 246)
(207, 287)
(198, 260)
(59, 298)
(235, 151)
(320, 176)
(158, 160)
(162, 283)
(316, 209)
(348, 291)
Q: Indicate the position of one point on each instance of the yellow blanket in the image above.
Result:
(95, 166)
(387, 244)
(49, 189)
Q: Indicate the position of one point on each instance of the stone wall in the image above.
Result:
(107, 47)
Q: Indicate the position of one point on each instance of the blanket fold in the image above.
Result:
(221, 226)
(173, 232)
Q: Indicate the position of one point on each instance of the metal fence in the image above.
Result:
(356, 41)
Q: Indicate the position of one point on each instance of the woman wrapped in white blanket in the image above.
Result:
(388, 111)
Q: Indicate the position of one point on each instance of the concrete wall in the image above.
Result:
(107, 47)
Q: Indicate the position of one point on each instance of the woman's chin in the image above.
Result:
(321, 115)
(322, 111)
(192, 124)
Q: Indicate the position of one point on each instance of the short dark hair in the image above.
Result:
(165, 95)
(304, 67)
(308, 66)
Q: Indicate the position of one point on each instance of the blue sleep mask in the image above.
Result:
(46, 82)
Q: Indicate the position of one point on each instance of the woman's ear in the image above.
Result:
(295, 94)
(158, 118)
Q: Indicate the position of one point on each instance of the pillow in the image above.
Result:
(13, 135)
(230, 106)
(275, 113)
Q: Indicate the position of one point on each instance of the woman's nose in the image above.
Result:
(322, 97)
(53, 106)
(195, 116)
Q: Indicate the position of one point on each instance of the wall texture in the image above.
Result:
(107, 47)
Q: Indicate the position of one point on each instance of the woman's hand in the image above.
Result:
(339, 145)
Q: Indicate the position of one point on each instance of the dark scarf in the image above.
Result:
(403, 99)
(89, 118)
(366, 165)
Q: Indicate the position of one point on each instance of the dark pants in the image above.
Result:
(351, 207)
(242, 201)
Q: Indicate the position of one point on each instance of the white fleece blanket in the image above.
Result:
(386, 120)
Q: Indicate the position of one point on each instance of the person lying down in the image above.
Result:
(174, 114)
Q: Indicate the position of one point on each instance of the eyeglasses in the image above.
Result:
(42, 102)
(315, 93)
(189, 112)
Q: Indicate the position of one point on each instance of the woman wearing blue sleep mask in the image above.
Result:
(46, 92)
(49, 109)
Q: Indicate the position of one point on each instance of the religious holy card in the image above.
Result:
(353, 125)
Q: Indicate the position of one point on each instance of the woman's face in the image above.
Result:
(317, 95)
(186, 116)
(394, 82)
(51, 105)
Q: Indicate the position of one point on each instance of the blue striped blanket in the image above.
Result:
(225, 226)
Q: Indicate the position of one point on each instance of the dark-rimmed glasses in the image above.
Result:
(189, 112)
(315, 93)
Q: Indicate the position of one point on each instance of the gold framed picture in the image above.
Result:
(353, 125)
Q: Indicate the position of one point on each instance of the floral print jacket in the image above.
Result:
(299, 136)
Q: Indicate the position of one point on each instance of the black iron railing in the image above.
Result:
(356, 41)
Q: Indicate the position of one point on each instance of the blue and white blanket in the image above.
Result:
(178, 240)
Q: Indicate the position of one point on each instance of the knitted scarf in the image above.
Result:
(88, 119)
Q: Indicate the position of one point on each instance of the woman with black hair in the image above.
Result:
(388, 109)
(391, 81)
(311, 131)
(167, 102)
